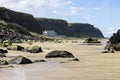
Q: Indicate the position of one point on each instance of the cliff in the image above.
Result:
(59, 26)
(23, 19)
(62, 27)
(84, 30)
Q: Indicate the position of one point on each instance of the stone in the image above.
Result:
(20, 60)
(56, 54)
(35, 49)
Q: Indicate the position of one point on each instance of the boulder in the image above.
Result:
(91, 40)
(15, 47)
(35, 49)
(3, 51)
(20, 60)
(63, 54)
(75, 59)
(3, 62)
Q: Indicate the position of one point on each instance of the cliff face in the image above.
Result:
(84, 30)
(23, 19)
(59, 26)
(71, 29)
(40, 24)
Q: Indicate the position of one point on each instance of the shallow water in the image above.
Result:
(35, 71)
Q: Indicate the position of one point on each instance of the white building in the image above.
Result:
(50, 33)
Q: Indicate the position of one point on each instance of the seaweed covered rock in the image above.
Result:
(15, 47)
(91, 40)
(56, 54)
(35, 49)
(20, 60)
(3, 62)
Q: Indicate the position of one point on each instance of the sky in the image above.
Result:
(103, 14)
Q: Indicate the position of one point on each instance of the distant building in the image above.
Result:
(50, 33)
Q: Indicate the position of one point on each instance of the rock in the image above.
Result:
(3, 51)
(108, 52)
(63, 54)
(20, 60)
(2, 55)
(115, 41)
(3, 62)
(75, 59)
(35, 49)
(35, 61)
(91, 40)
(15, 47)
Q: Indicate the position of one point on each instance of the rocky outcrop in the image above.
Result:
(23, 19)
(115, 38)
(56, 54)
(114, 41)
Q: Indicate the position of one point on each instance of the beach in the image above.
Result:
(93, 64)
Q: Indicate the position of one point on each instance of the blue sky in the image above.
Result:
(104, 14)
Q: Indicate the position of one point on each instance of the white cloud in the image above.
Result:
(110, 31)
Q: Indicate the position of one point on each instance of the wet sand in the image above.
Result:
(93, 64)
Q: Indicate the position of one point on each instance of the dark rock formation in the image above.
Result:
(114, 42)
(115, 38)
(23, 19)
(56, 54)
(20, 60)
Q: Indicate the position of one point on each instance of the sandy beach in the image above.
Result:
(93, 64)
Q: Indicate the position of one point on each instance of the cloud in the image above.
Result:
(110, 31)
